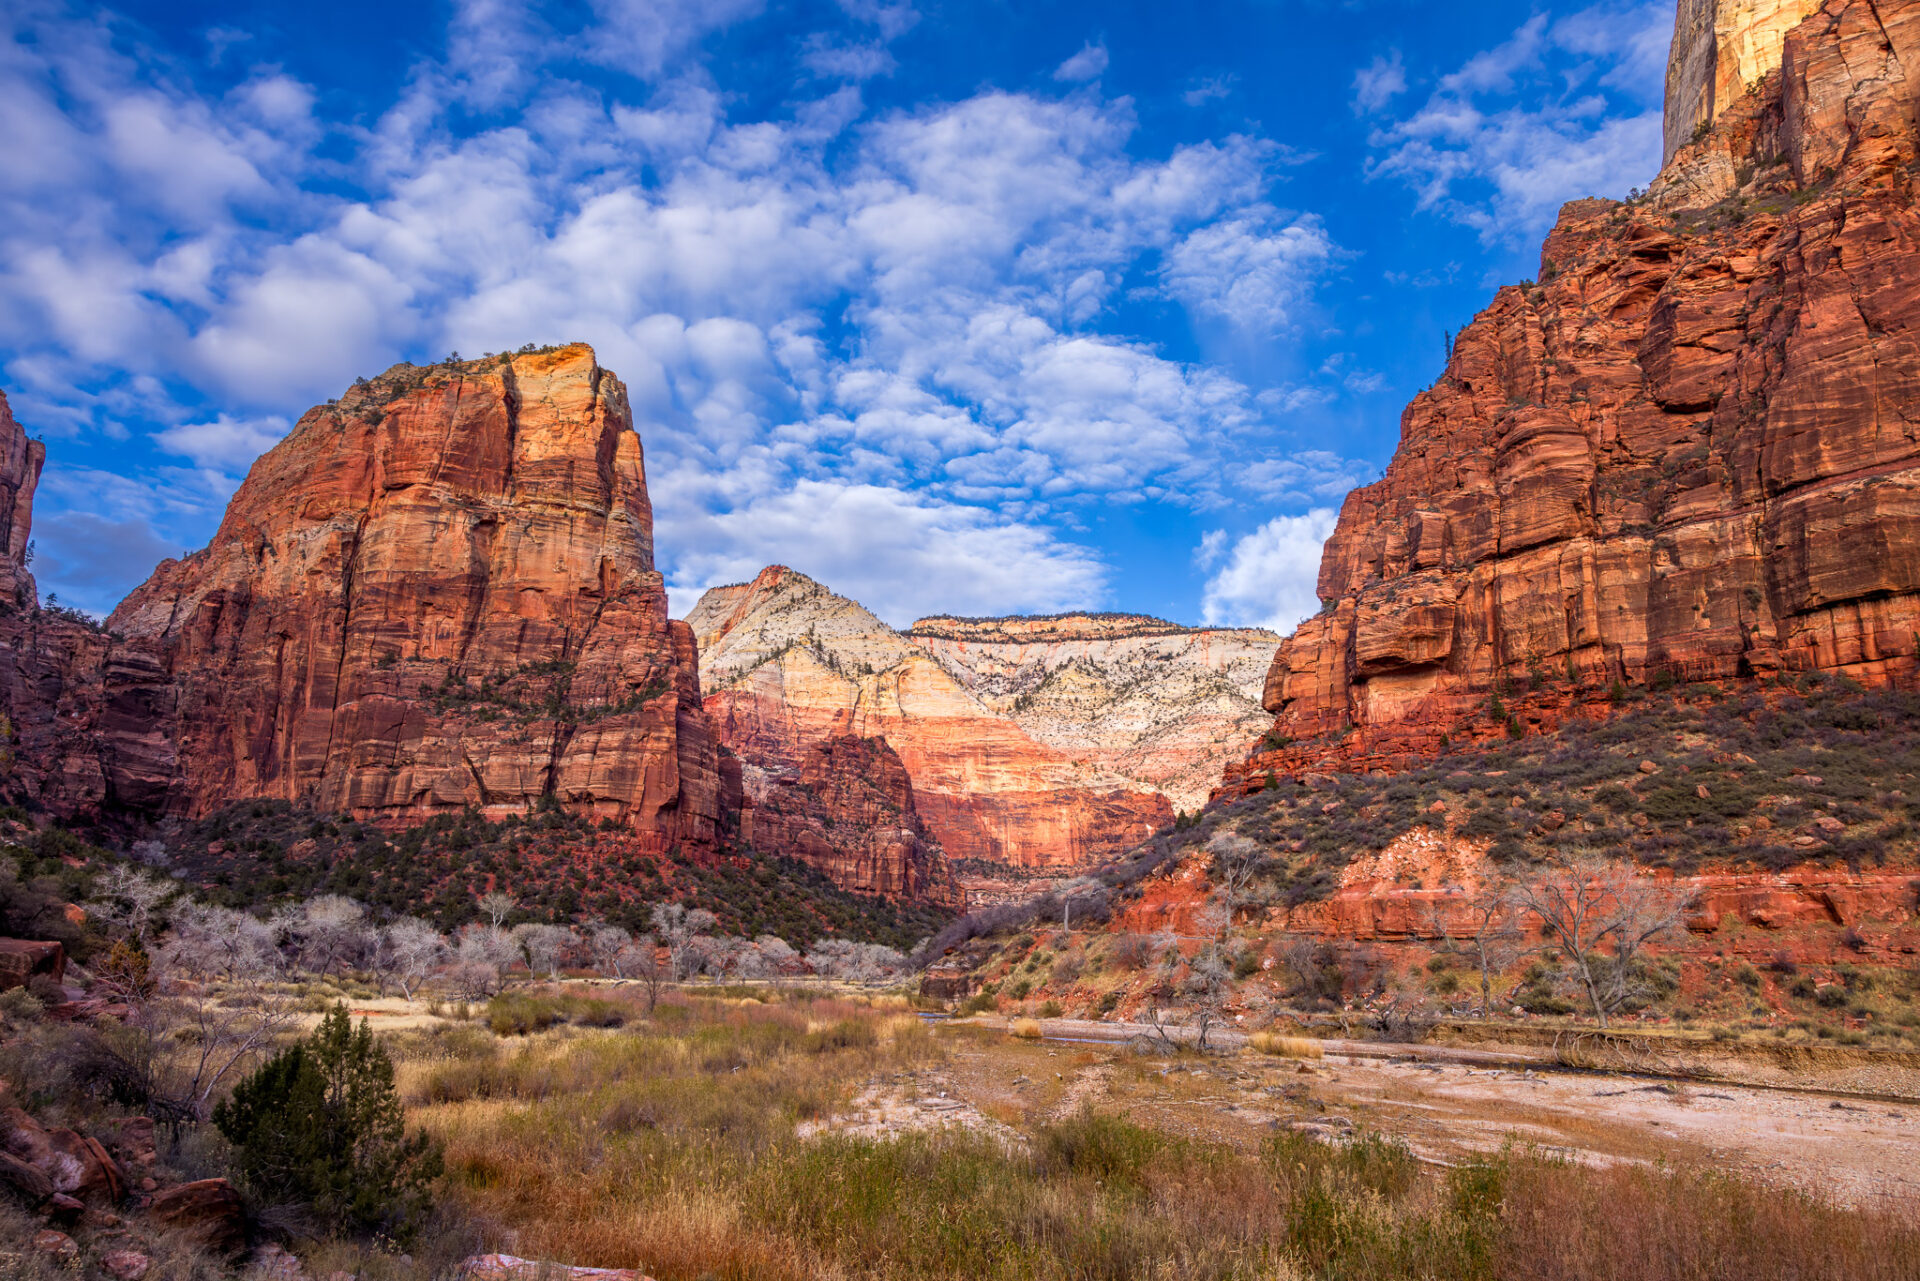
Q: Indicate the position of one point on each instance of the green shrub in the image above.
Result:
(319, 1125)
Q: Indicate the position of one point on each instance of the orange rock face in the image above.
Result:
(849, 810)
(437, 592)
(787, 664)
(1690, 449)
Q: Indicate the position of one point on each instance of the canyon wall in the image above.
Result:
(1162, 705)
(1690, 450)
(437, 592)
(787, 664)
(848, 809)
(1721, 49)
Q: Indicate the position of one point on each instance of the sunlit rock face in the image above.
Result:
(787, 664)
(1164, 705)
(1721, 49)
(1691, 449)
(437, 592)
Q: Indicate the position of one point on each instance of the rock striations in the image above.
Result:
(436, 593)
(1691, 450)
(1162, 705)
(787, 664)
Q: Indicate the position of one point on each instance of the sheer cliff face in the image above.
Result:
(1720, 49)
(1163, 705)
(1692, 448)
(437, 592)
(786, 664)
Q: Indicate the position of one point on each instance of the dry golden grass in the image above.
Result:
(1026, 1029)
(1290, 1047)
(669, 1145)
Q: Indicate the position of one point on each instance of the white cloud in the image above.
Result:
(1559, 110)
(903, 316)
(1379, 83)
(1248, 271)
(224, 444)
(1209, 88)
(902, 555)
(1088, 64)
(1271, 575)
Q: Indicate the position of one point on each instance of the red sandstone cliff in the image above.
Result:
(437, 592)
(1692, 448)
(849, 810)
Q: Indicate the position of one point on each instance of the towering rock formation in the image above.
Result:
(1721, 49)
(1691, 449)
(1162, 705)
(786, 665)
(437, 592)
(20, 463)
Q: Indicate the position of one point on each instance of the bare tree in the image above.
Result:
(1495, 940)
(644, 965)
(677, 927)
(219, 941)
(546, 947)
(1082, 889)
(210, 1030)
(1236, 860)
(480, 956)
(1209, 978)
(330, 930)
(857, 962)
(413, 950)
(611, 947)
(498, 905)
(1591, 902)
(128, 901)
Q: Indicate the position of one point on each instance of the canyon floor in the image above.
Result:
(1855, 1149)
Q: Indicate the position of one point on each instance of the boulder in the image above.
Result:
(206, 1212)
(73, 1163)
(24, 959)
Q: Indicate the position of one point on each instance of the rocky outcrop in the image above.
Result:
(1690, 450)
(786, 664)
(1721, 49)
(20, 463)
(849, 811)
(1162, 705)
(437, 592)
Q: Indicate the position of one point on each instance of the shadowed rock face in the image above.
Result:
(437, 592)
(787, 664)
(1692, 448)
(849, 810)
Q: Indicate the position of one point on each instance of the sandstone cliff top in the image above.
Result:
(1037, 628)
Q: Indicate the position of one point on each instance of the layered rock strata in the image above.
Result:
(848, 809)
(1162, 705)
(436, 593)
(787, 664)
(1691, 449)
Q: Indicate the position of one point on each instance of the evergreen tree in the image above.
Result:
(320, 1125)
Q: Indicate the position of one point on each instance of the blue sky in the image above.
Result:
(971, 307)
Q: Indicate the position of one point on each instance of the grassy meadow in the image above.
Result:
(672, 1142)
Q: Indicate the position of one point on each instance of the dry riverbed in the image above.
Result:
(1854, 1152)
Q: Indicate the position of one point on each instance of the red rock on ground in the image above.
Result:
(24, 959)
(1691, 448)
(206, 1212)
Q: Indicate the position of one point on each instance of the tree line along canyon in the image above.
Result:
(1602, 753)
